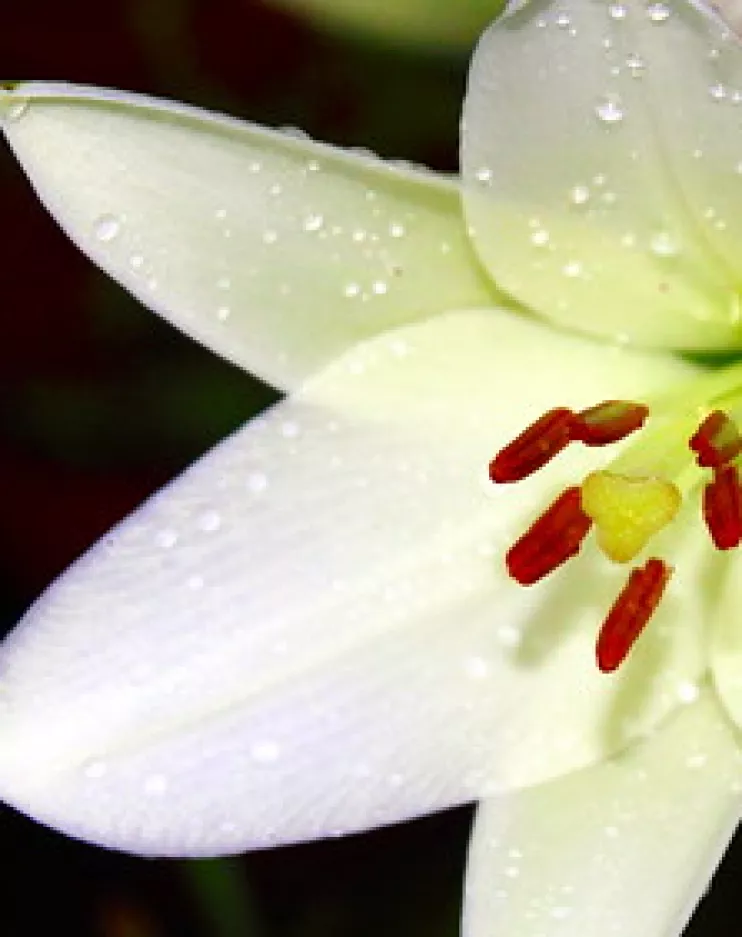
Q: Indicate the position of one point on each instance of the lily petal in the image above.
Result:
(415, 22)
(310, 631)
(626, 848)
(726, 640)
(601, 172)
(276, 252)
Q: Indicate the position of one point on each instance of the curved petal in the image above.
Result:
(601, 182)
(415, 22)
(274, 251)
(726, 638)
(310, 631)
(625, 848)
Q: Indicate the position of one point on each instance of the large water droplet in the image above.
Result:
(106, 227)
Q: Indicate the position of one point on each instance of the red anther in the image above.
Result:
(535, 446)
(716, 441)
(722, 508)
(630, 612)
(609, 421)
(551, 540)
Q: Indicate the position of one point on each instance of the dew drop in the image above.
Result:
(136, 261)
(209, 521)
(717, 92)
(609, 110)
(380, 287)
(572, 269)
(579, 195)
(155, 784)
(696, 761)
(352, 290)
(313, 222)
(257, 482)
(617, 11)
(663, 245)
(396, 230)
(16, 108)
(635, 65)
(313, 165)
(265, 752)
(688, 692)
(106, 227)
(94, 769)
(223, 283)
(223, 313)
(483, 175)
(560, 912)
(563, 21)
(166, 538)
(270, 236)
(658, 12)
(540, 238)
(289, 429)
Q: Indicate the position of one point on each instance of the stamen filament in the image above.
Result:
(722, 508)
(554, 538)
(630, 613)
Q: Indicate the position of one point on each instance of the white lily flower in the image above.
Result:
(312, 631)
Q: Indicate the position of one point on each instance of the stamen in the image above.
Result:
(534, 447)
(630, 613)
(609, 421)
(722, 508)
(716, 441)
(551, 540)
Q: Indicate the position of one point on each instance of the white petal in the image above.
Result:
(310, 631)
(625, 849)
(726, 635)
(447, 26)
(585, 191)
(276, 252)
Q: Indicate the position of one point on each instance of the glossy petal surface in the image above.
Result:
(275, 252)
(600, 152)
(625, 848)
(311, 630)
(726, 639)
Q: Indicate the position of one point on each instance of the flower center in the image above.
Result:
(632, 499)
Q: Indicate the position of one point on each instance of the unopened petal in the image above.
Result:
(274, 251)
(600, 157)
(311, 631)
(444, 26)
(626, 848)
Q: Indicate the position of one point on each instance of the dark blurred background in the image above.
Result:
(100, 403)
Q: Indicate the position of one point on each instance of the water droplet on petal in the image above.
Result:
(136, 261)
(313, 222)
(609, 109)
(380, 287)
(658, 12)
(265, 752)
(210, 521)
(635, 65)
(257, 482)
(579, 195)
(15, 108)
(663, 244)
(166, 538)
(717, 92)
(572, 269)
(270, 236)
(106, 227)
(155, 784)
(483, 175)
(617, 11)
(540, 238)
(351, 290)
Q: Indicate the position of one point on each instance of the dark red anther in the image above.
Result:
(716, 441)
(630, 613)
(722, 508)
(535, 446)
(551, 540)
(609, 421)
